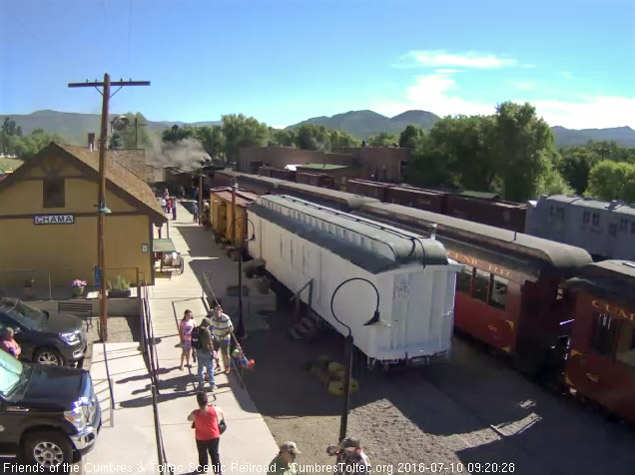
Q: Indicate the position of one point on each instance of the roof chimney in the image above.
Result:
(91, 141)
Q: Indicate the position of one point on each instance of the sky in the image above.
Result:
(284, 61)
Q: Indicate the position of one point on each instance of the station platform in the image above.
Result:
(246, 447)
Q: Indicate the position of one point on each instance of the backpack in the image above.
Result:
(196, 342)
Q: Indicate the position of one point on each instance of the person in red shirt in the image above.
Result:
(207, 433)
(8, 344)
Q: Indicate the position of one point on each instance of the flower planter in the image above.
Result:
(77, 292)
(119, 294)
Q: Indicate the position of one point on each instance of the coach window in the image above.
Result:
(623, 224)
(498, 297)
(53, 193)
(596, 220)
(586, 217)
(481, 285)
(625, 348)
(612, 229)
(633, 227)
(604, 333)
(464, 280)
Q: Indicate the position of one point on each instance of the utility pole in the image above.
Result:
(102, 209)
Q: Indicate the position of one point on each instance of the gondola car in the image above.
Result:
(301, 241)
(507, 293)
(601, 363)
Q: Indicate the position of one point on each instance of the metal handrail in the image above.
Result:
(153, 362)
(112, 397)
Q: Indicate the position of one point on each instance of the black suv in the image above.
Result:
(44, 338)
(49, 415)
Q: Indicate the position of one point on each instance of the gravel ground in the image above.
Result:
(471, 410)
(120, 329)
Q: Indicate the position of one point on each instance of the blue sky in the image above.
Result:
(283, 61)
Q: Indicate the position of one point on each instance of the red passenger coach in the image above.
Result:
(601, 363)
(507, 294)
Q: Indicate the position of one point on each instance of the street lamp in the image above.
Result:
(348, 351)
(240, 330)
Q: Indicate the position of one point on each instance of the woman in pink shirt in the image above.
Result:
(207, 433)
(8, 344)
(185, 333)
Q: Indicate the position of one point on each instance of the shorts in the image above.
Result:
(186, 344)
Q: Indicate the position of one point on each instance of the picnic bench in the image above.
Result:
(165, 252)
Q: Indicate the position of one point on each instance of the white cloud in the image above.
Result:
(447, 71)
(439, 93)
(440, 58)
(529, 66)
(566, 75)
(591, 112)
(524, 85)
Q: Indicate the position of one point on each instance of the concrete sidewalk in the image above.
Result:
(247, 446)
(130, 446)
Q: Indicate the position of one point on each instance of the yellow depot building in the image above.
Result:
(48, 219)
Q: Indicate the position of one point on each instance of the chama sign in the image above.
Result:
(54, 219)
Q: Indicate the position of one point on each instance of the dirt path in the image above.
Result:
(472, 411)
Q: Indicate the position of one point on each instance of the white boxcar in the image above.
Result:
(301, 241)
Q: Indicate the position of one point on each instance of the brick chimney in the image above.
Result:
(91, 141)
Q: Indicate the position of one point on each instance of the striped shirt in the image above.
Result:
(222, 327)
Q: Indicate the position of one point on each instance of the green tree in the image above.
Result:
(551, 182)
(27, 146)
(241, 131)
(343, 139)
(282, 137)
(410, 136)
(610, 180)
(313, 137)
(7, 134)
(429, 165)
(136, 135)
(383, 139)
(212, 140)
(116, 141)
(575, 166)
(524, 146)
(176, 133)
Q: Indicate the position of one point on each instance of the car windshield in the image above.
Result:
(29, 316)
(11, 372)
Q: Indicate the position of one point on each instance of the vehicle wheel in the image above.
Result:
(47, 449)
(48, 356)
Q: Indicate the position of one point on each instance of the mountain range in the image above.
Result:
(362, 124)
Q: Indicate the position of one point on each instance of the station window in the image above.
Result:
(53, 193)
(596, 220)
(498, 297)
(464, 280)
(586, 218)
(612, 229)
(481, 285)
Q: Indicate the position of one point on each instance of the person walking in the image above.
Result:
(7, 342)
(205, 355)
(205, 422)
(195, 214)
(182, 192)
(222, 329)
(284, 462)
(185, 334)
(351, 459)
(173, 209)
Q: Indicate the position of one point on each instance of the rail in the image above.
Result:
(148, 346)
(112, 397)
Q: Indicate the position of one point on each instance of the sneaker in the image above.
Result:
(212, 388)
(228, 370)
